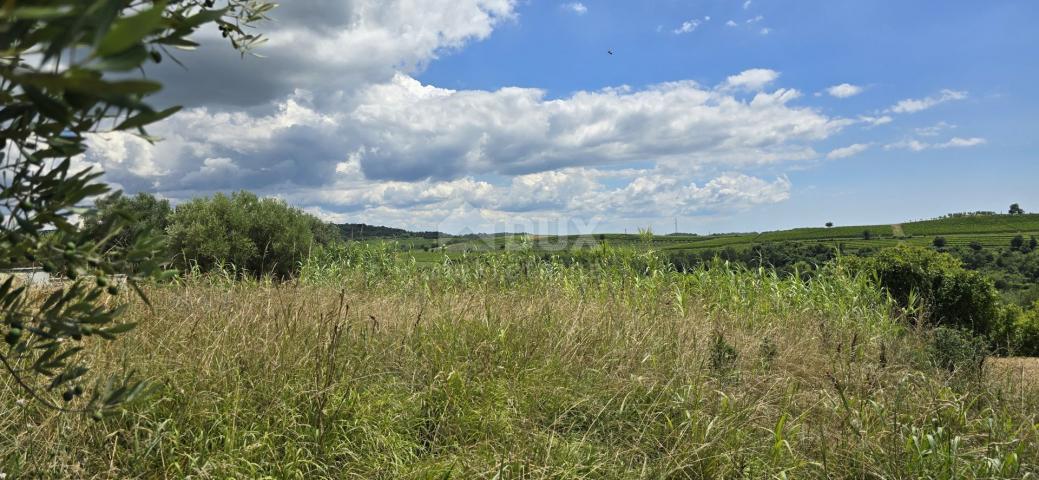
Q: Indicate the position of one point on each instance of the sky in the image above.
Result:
(514, 115)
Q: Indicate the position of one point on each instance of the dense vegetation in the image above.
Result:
(361, 231)
(252, 235)
(950, 286)
(507, 365)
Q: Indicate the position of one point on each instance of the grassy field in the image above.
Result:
(502, 366)
(982, 224)
(987, 230)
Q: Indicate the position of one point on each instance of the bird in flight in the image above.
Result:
(609, 52)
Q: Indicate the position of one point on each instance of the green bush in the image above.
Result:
(144, 214)
(950, 294)
(723, 355)
(1017, 331)
(958, 351)
(255, 236)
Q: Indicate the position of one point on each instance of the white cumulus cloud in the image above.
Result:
(844, 90)
(687, 26)
(753, 79)
(920, 104)
(576, 7)
(919, 146)
(849, 151)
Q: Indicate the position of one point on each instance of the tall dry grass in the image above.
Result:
(514, 367)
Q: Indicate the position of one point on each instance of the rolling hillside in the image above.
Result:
(986, 230)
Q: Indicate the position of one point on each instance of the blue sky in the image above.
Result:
(500, 115)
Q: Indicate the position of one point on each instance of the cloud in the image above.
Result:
(404, 130)
(765, 31)
(731, 23)
(934, 130)
(918, 105)
(849, 151)
(876, 121)
(574, 193)
(844, 90)
(410, 131)
(919, 146)
(753, 79)
(405, 152)
(576, 7)
(330, 48)
(687, 27)
(958, 142)
(746, 5)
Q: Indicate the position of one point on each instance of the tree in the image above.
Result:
(1017, 242)
(67, 72)
(255, 236)
(952, 295)
(867, 235)
(1033, 243)
(145, 214)
(1015, 209)
(829, 224)
(940, 242)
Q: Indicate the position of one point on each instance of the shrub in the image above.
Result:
(146, 215)
(1017, 331)
(255, 235)
(957, 350)
(940, 242)
(951, 295)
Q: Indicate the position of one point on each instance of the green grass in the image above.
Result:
(988, 230)
(825, 233)
(982, 224)
(503, 366)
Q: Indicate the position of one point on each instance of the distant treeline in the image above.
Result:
(361, 231)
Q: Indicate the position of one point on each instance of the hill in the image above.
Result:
(361, 231)
(984, 229)
(988, 230)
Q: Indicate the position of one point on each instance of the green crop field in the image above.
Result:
(987, 230)
(979, 224)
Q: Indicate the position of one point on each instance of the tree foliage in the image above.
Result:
(253, 235)
(145, 215)
(950, 294)
(66, 72)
